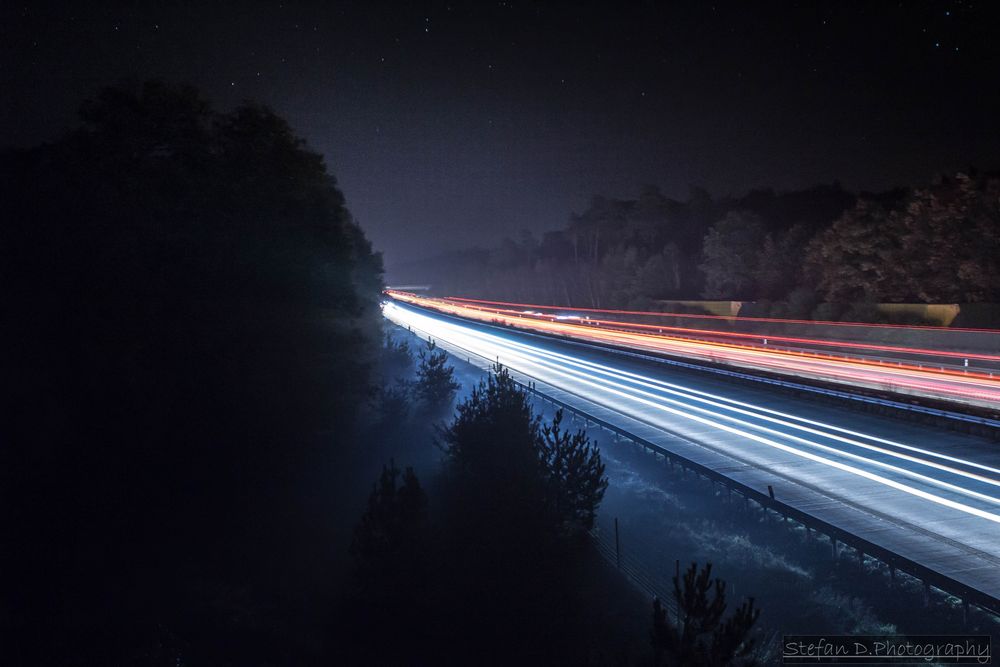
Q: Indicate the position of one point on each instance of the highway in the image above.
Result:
(928, 494)
(878, 368)
(951, 350)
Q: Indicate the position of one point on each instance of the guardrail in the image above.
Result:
(894, 561)
(797, 386)
(863, 547)
(990, 427)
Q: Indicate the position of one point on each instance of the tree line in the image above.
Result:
(819, 252)
(193, 319)
(195, 385)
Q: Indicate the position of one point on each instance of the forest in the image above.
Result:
(200, 394)
(194, 319)
(822, 253)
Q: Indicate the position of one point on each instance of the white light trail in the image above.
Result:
(609, 380)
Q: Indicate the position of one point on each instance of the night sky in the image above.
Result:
(454, 124)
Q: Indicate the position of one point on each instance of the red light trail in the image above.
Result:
(970, 387)
(811, 342)
(729, 318)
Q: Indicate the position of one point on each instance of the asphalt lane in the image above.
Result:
(929, 494)
(978, 389)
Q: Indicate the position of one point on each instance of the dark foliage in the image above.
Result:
(435, 384)
(940, 244)
(573, 476)
(388, 541)
(193, 309)
(511, 466)
(392, 403)
(494, 430)
(492, 577)
(388, 614)
(630, 253)
(494, 486)
(702, 636)
(796, 249)
(730, 256)
(397, 357)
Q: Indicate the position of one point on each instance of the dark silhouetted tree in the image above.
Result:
(435, 385)
(388, 541)
(390, 549)
(660, 275)
(397, 357)
(730, 255)
(196, 313)
(855, 258)
(392, 404)
(702, 637)
(532, 475)
(494, 433)
(950, 241)
(779, 265)
(517, 495)
(940, 244)
(573, 474)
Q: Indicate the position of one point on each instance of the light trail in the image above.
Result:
(973, 388)
(729, 318)
(597, 382)
(669, 388)
(811, 342)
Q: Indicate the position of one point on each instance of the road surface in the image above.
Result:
(930, 495)
(880, 369)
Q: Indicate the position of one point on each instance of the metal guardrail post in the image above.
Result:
(618, 548)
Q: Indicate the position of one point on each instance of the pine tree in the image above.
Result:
(574, 476)
(492, 438)
(702, 637)
(435, 385)
(388, 540)
(504, 456)
(392, 571)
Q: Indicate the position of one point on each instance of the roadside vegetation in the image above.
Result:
(821, 253)
(201, 394)
(488, 558)
(194, 319)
